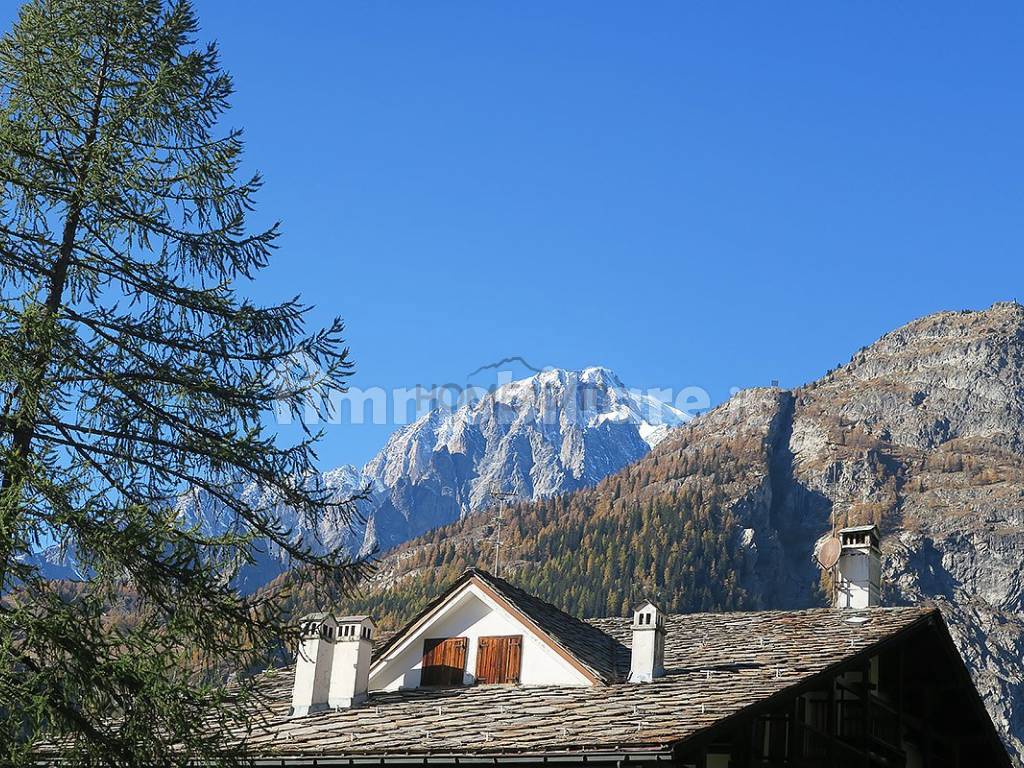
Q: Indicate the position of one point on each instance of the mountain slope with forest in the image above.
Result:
(921, 433)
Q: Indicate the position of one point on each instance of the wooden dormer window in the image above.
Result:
(499, 659)
(444, 661)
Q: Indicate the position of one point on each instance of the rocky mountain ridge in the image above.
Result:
(553, 432)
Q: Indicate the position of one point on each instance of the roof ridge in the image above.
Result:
(923, 606)
(487, 575)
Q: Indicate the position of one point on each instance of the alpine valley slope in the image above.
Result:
(553, 432)
(922, 433)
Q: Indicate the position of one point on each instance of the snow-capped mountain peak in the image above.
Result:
(552, 432)
(589, 398)
(549, 433)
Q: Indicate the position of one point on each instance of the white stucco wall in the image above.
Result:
(859, 578)
(472, 614)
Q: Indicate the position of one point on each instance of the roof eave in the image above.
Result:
(659, 755)
(933, 618)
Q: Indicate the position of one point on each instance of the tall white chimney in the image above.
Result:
(859, 571)
(350, 670)
(647, 660)
(313, 664)
(332, 669)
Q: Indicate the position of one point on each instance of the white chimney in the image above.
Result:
(332, 668)
(313, 664)
(648, 653)
(859, 572)
(350, 671)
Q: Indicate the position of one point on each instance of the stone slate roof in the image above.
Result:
(716, 665)
(595, 650)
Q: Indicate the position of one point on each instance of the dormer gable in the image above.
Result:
(483, 631)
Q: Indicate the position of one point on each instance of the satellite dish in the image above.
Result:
(828, 553)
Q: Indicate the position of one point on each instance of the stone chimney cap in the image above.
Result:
(324, 615)
(859, 535)
(648, 616)
(644, 604)
(317, 616)
(859, 528)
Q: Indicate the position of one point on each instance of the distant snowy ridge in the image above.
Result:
(547, 434)
(550, 433)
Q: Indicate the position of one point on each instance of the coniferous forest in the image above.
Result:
(660, 529)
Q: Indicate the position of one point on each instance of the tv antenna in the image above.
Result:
(501, 497)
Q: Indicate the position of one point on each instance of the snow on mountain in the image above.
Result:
(540, 436)
(553, 432)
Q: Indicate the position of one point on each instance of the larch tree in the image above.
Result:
(133, 370)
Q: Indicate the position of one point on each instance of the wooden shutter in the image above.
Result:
(444, 661)
(499, 658)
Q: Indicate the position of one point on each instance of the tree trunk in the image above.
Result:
(26, 413)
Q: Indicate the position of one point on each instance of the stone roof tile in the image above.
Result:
(716, 665)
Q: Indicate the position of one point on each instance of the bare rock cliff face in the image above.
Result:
(922, 433)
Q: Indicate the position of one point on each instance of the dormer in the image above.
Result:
(484, 631)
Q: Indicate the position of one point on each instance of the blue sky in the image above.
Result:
(707, 194)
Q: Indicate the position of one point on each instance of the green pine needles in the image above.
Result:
(130, 371)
